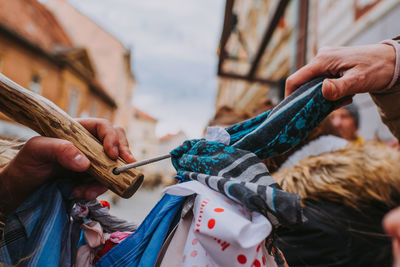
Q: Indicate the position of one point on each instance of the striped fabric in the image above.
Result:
(237, 171)
(39, 230)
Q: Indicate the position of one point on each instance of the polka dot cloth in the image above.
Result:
(223, 233)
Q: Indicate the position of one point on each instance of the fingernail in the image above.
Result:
(81, 161)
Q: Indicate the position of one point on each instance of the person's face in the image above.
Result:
(344, 123)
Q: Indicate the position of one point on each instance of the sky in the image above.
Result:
(174, 58)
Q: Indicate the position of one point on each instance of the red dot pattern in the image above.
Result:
(256, 263)
(200, 218)
(193, 254)
(211, 223)
(241, 259)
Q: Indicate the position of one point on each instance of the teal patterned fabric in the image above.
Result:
(236, 169)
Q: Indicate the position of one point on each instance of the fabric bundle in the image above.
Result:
(233, 169)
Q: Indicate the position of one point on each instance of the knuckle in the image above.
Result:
(120, 129)
(63, 146)
(360, 77)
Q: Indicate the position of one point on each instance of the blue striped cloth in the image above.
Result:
(39, 230)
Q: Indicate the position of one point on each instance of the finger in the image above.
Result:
(314, 69)
(391, 223)
(106, 133)
(348, 84)
(93, 191)
(124, 151)
(45, 150)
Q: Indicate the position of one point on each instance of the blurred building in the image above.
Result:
(38, 54)
(166, 144)
(112, 60)
(264, 41)
(143, 141)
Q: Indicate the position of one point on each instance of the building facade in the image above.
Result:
(165, 144)
(111, 59)
(144, 143)
(264, 41)
(36, 53)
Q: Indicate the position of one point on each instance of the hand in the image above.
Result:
(391, 224)
(360, 69)
(44, 158)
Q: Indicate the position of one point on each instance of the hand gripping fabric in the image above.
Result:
(237, 171)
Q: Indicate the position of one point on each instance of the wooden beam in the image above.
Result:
(226, 32)
(302, 34)
(271, 26)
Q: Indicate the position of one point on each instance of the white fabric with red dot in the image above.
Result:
(222, 233)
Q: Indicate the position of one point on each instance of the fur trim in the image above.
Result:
(325, 143)
(354, 176)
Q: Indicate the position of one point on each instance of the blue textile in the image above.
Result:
(142, 247)
(39, 229)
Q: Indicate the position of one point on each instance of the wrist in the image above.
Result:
(396, 64)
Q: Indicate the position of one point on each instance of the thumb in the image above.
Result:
(45, 150)
(334, 89)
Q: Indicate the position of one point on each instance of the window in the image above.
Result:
(73, 102)
(35, 84)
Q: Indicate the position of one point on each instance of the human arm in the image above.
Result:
(43, 158)
(360, 69)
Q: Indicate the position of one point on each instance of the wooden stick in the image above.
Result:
(47, 119)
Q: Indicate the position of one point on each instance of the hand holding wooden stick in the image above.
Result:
(44, 117)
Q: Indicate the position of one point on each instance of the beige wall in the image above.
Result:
(20, 63)
(110, 57)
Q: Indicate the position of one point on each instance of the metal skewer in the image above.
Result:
(118, 170)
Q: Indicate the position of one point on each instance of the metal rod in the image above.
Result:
(118, 170)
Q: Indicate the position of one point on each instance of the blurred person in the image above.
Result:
(370, 68)
(25, 167)
(346, 120)
(345, 194)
